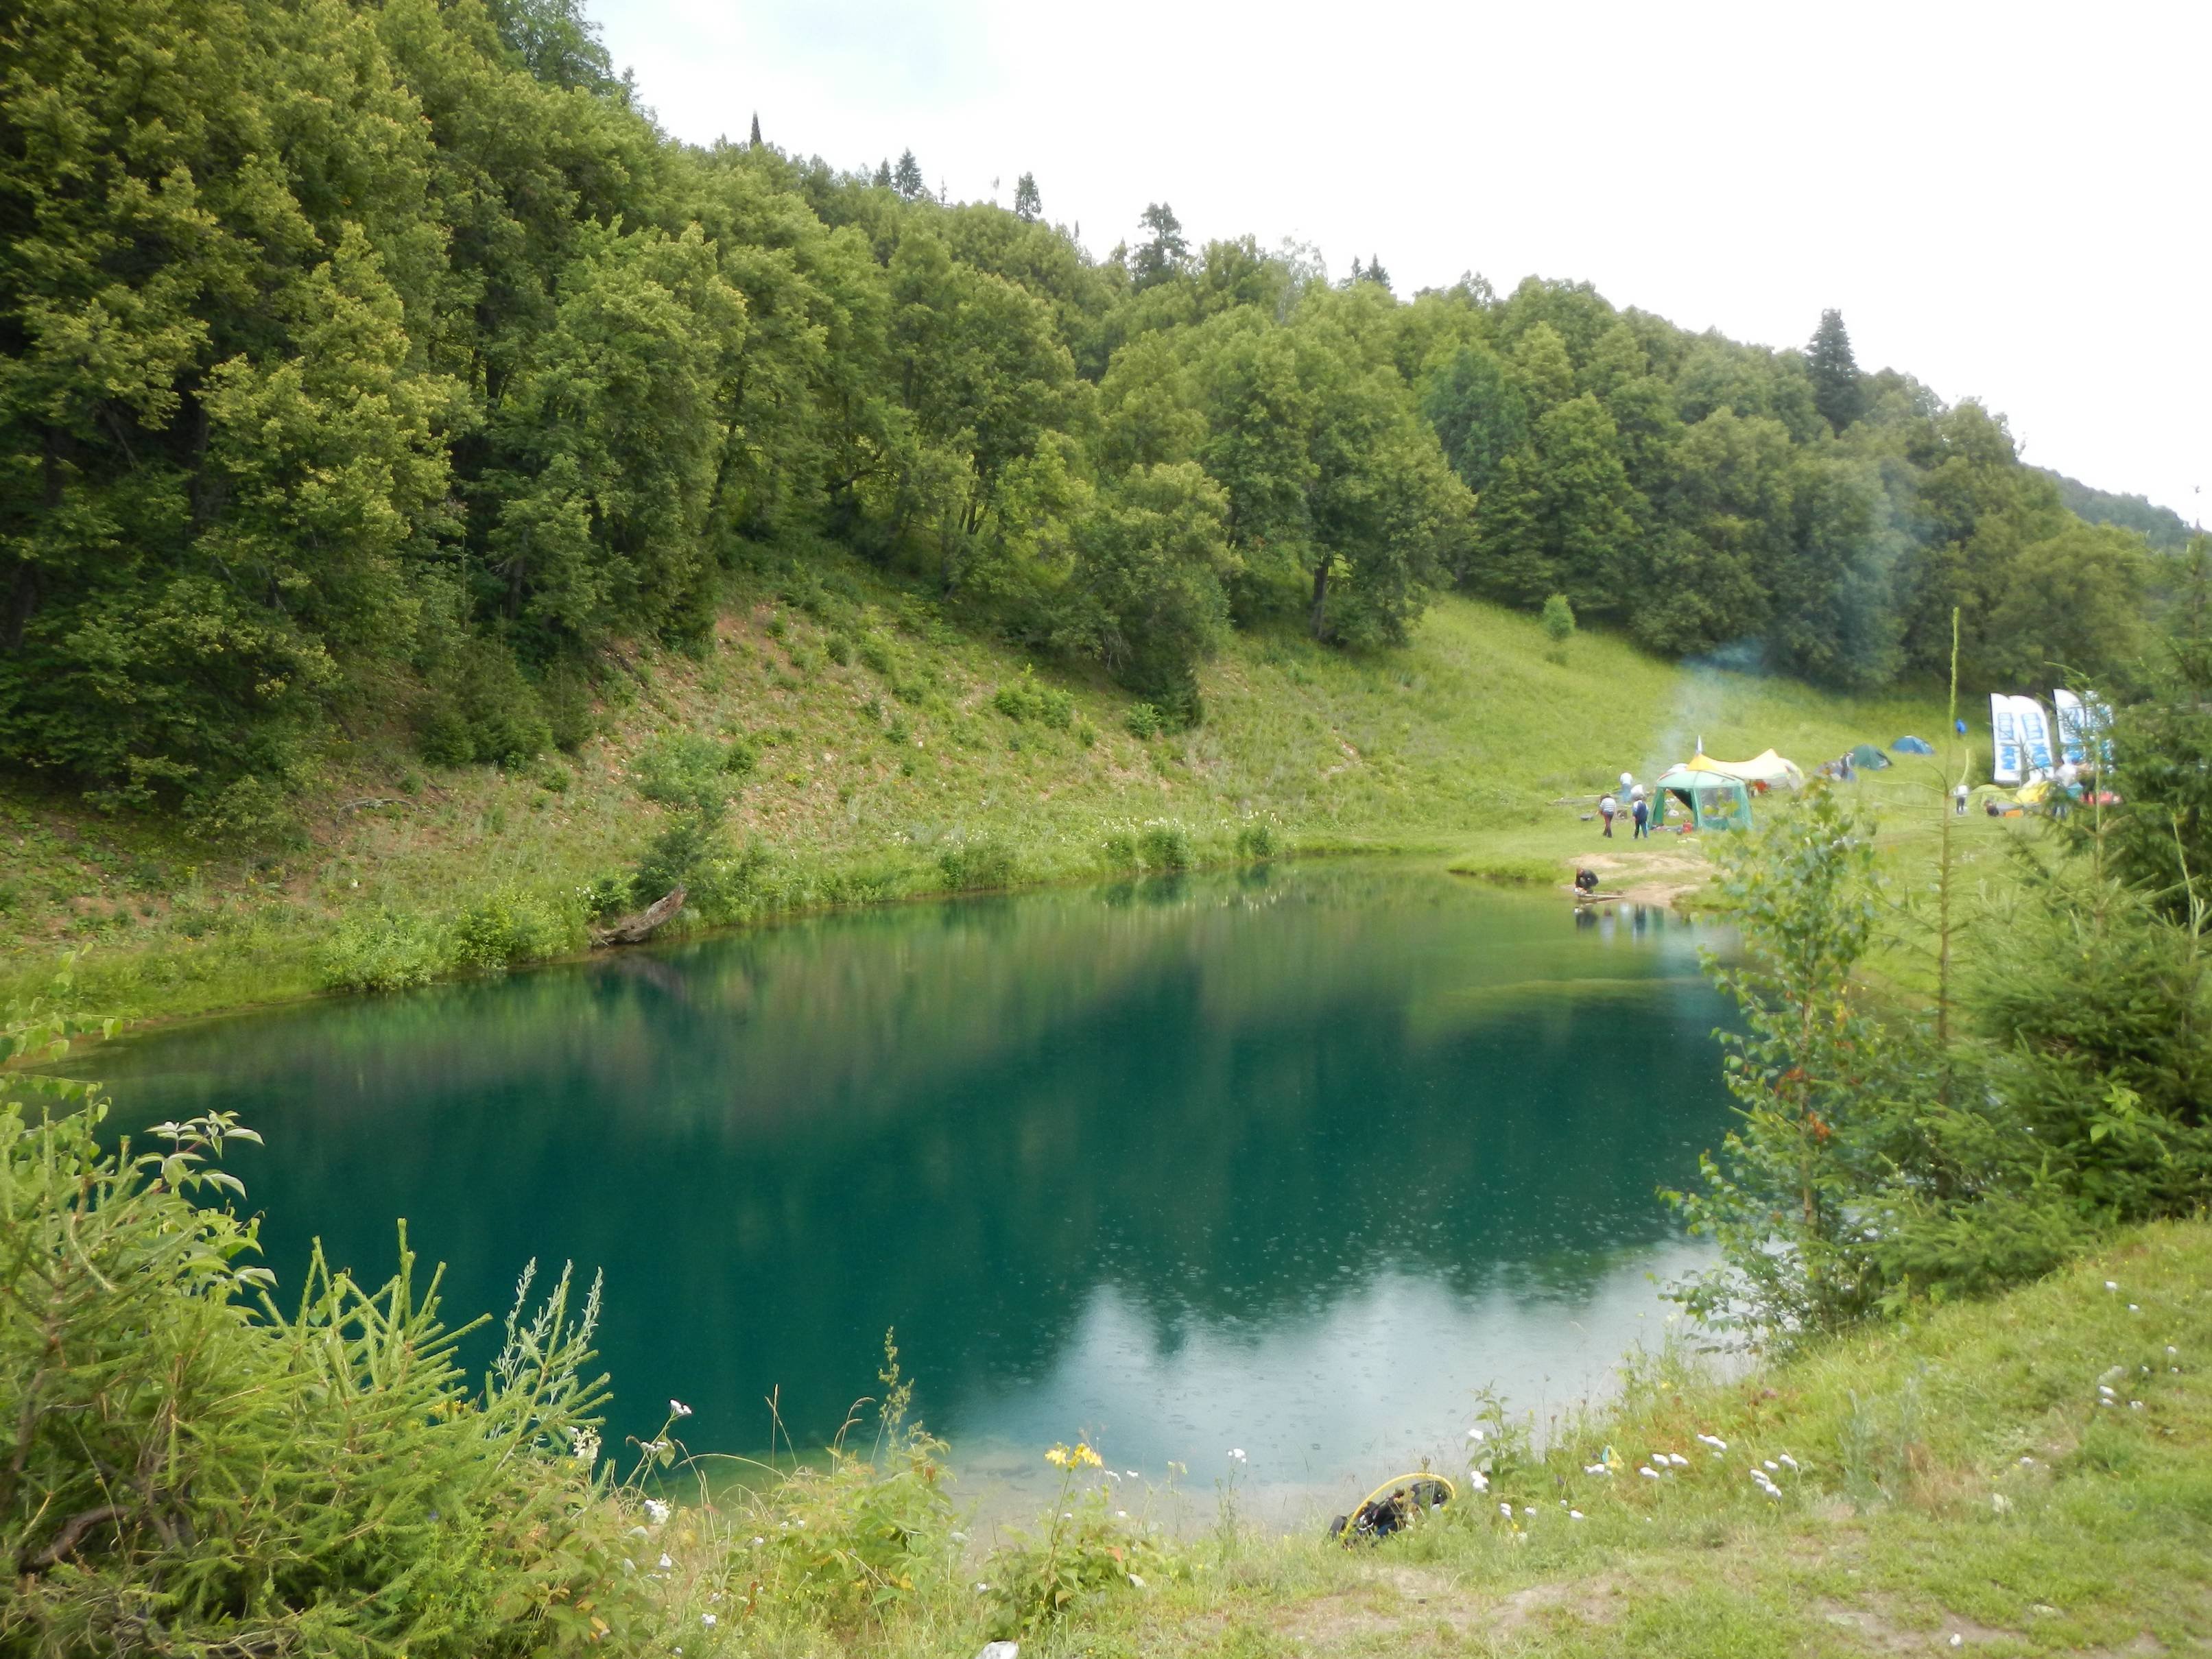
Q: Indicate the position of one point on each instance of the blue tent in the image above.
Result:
(1913, 746)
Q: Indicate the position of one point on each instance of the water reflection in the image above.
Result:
(1294, 1163)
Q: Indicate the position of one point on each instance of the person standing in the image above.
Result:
(1641, 809)
(1605, 809)
(1959, 799)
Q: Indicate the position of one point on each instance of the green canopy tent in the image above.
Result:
(1710, 800)
(1867, 758)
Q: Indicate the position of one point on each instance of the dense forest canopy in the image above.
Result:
(383, 359)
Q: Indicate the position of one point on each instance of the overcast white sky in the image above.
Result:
(2012, 202)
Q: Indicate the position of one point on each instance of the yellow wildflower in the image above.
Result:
(1084, 1458)
(1057, 1457)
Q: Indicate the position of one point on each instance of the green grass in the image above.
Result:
(1955, 1476)
(879, 774)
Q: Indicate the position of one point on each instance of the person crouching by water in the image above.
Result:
(1585, 881)
(1606, 808)
(1643, 814)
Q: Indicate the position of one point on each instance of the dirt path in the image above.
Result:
(1653, 878)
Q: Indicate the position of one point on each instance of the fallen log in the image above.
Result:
(638, 928)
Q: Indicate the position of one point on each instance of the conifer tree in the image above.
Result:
(1837, 391)
(882, 178)
(1027, 202)
(907, 178)
(756, 137)
(1373, 273)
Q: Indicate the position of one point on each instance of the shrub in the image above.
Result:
(382, 952)
(320, 1480)
(1256, 841)
(1144, 719)
(1120, 848)
(1164, 845)
(838, 649)
(1558, 620)
(877, 655)
(1026, 700)
(480, 708)
(976, 866)
(510, 926)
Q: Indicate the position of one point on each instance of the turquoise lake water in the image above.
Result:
(1294, 1161)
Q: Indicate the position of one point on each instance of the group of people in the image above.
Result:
(1842, 769)
(1638, 808)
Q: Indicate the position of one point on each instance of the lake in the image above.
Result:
(1296, 1160)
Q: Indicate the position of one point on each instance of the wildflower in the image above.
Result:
(1678, 1459)
(1790, 1460)
(1480, 1480)
(1530, 1512)
(1135, 1583)
(665, 1563)
(1085, 1458)
(981, 1587)
(1134, 1475)
(1236, 1455)
(1957, 1640)
(586, 1445)
(1714, 1441)
(1120, 1515)
(1057, 1457)
(1476, 1434)
(2000, 1503)
(653, 1448)
(708, 1620)
(1576, 1515)
(1772, 1466)
(655, 1510)
(2111, 1285)
(1596, 1468)
(1647, 1472)
(677, 1408)
(757, 1542)
(1506, 1509)
(959, 1537)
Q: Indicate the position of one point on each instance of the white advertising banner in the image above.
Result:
(2004, 736)
(2082, 722)
(2028, 720)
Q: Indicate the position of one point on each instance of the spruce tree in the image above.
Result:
(1027, 202)
(883, 178)
(1837, 393)
(757, 138)
(1375, 273)
(906, 180)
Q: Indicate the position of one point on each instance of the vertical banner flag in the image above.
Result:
(2005, 737)
(2083, 723)
(2073, 726)
(2034, 734)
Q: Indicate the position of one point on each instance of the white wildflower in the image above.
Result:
(677, 1408)
(1476, 1434)
(1506, 1509)
(1790, 1460)
(1236, 1455)
(587, 1446)
(1647, 1472)
(656, 1511)
(1576, 1515)
(1135, 1583)
(1480, 1482)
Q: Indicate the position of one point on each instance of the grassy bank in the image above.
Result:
(2032, 1474)
(895, 755)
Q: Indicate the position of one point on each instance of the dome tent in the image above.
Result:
(1868, 758)
(1909, 746)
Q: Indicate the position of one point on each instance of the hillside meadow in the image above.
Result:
(888, 754)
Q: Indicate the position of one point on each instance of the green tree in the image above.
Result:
(1150, 563)
(1163, 253)
(1478, 414)
(1837, 393)
(1028, 203)
(906, 177)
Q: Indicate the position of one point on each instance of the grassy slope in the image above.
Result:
(1958, 1478)
(1458, 742)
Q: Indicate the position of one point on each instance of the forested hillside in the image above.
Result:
(374, 365)
(2161, 527)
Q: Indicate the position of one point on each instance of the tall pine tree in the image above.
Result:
(1837, 391)
(756, 137)
(906, 180)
